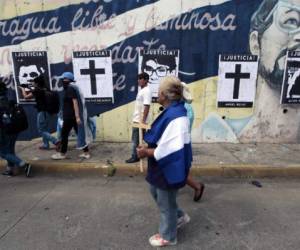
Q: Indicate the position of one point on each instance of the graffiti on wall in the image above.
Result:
(200, 30)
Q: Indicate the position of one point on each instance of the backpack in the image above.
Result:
(13, 119)
(51, 101)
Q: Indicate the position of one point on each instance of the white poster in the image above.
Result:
(290, 92)
(93, 74)
(158, 64)
(237, 80)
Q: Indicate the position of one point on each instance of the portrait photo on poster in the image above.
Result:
(158, 64)
(290, 93)
(27, 65)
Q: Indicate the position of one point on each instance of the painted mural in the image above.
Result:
(200, 29)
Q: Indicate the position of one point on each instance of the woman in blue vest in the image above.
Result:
(169, 155)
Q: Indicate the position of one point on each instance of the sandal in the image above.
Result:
(199, 192)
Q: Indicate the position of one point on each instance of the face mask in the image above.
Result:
(65, 84)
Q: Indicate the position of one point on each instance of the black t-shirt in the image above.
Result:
(39, 95)
(68, 108)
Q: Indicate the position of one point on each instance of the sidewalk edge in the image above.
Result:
(224, 170)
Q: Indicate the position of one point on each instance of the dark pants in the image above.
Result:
(135, 141)
(68, 124)
(66, 128)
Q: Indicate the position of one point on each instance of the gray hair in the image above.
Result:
(171, 88)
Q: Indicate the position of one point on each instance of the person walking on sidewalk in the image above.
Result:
(142, 107)
(43, 117)
(169, 155)
(74, 116)
(8, 139)
(197, 186)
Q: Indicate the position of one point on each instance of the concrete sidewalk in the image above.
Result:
(218, 159)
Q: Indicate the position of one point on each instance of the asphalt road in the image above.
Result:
(118, 213)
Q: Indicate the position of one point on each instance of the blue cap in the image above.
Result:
(68, 75)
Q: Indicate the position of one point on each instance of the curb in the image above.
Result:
(120, 169)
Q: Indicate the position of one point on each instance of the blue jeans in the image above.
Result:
(59, 128)
(92, 124)
(43, 119)
(7, 151)
(169, 211)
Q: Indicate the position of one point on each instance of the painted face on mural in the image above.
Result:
(282, 33)
(28, 73)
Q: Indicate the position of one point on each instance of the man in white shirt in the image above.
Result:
(141, 108)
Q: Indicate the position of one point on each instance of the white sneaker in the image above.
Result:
(58, 156)
(85, 156)
(183, 220)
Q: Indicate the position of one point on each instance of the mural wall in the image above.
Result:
(200, 29)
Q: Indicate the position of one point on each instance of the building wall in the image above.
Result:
(201, 30)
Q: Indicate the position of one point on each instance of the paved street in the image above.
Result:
(118, 213)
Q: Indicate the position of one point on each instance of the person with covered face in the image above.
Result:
(74, 115)
(169, 155)
(275, 28)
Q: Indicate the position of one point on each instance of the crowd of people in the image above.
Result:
(168, 149)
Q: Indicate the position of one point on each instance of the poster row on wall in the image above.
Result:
(238, 75)
(92, 71)
(93, 74)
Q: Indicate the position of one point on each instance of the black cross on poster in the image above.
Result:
(92, 71)
(237, 76)
(237, 80)
(93, 75)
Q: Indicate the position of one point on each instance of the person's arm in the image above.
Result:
(147, 103)
(76, 110)
(26, 95)
(146, 112)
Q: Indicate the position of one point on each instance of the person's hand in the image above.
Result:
(21, 88)
(78, 121)
(142, 151)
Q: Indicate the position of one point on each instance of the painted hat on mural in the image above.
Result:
(68, 75)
